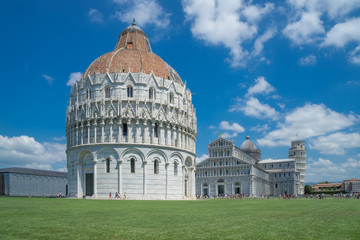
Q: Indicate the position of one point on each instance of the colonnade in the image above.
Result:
(138, 131)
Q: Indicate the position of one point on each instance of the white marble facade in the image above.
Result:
(129, 128)
(231, 170)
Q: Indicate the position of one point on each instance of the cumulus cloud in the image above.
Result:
(227, 23)
(261, 87)
(50, 80)
(146, 12)
(306, 30)
(235, 127)
(336, 143)
(212, 127)
(324, 169)
(254, 108)
(229, 135)
(311, 120)
(260, 128)
(308, 60)
(323, 22)
(75, 76)
(343, 33)
(95, 15)
(202, 158)
(25, 151)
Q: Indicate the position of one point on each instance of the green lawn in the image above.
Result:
(43, 218)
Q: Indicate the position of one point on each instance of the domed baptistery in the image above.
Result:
(131, 126)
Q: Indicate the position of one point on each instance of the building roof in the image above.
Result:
(133, 53)
(270, 160)
(33, 172)
(327, 184)
(248, 145)
(352, 179)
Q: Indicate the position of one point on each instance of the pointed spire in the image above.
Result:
(220, 134)
(134, 22)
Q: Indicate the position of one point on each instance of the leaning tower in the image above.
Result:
(298, 152)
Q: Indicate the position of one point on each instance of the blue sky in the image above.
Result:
(271, 70)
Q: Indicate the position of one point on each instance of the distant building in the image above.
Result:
(32, 182)
(232, 170)
(328, 187)
(352, 185)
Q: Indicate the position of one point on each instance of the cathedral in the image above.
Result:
(231, 170)
(131, 126)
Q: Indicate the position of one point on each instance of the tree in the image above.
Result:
(308, 189)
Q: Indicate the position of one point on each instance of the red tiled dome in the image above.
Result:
(133, 53)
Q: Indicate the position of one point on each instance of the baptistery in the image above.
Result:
(131, 126)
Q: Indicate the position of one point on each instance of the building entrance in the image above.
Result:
(89, 184)
(221, 190)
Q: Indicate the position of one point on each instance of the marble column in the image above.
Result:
(119, 176)
(111, 124)
(102, 124)
(144, 179)
(119, 130)
(167, 179)
(95, 131)
(95, 178)
(78, 179)
(88, 132)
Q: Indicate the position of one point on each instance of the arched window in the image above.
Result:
(156, 166)
(171, 98)
(132, 165)
(125, 129)
(152, 93)
(156, 130)
(107, 92)
(108, 165)
(176, 168)
(88, 94)
(130, 91)
(276, 185)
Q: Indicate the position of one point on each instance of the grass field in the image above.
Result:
(43, 218)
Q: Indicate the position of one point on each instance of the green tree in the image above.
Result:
(308, 189)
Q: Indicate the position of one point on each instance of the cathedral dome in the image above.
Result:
(248, 145)
(133, 53)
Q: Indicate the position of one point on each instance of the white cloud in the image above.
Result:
(146, 12)
(308, 18)
(25, 151)
(212, 127)
(324, 169)
(354, 55)
(336, 143)
(95, 15)
(222, 23)
(259, 128)
(202, 158)
(259, 43)
(75, 76)
(311, 120)
(229, 135)
(235, 127)
(261, 86)
(307, 30)
(59, 138)
(308, 60)
(50, 80)
(343, 33)
(254, 108)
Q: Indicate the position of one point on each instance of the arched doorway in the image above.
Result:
(205, 191)
(237, 188)
(221, 187)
